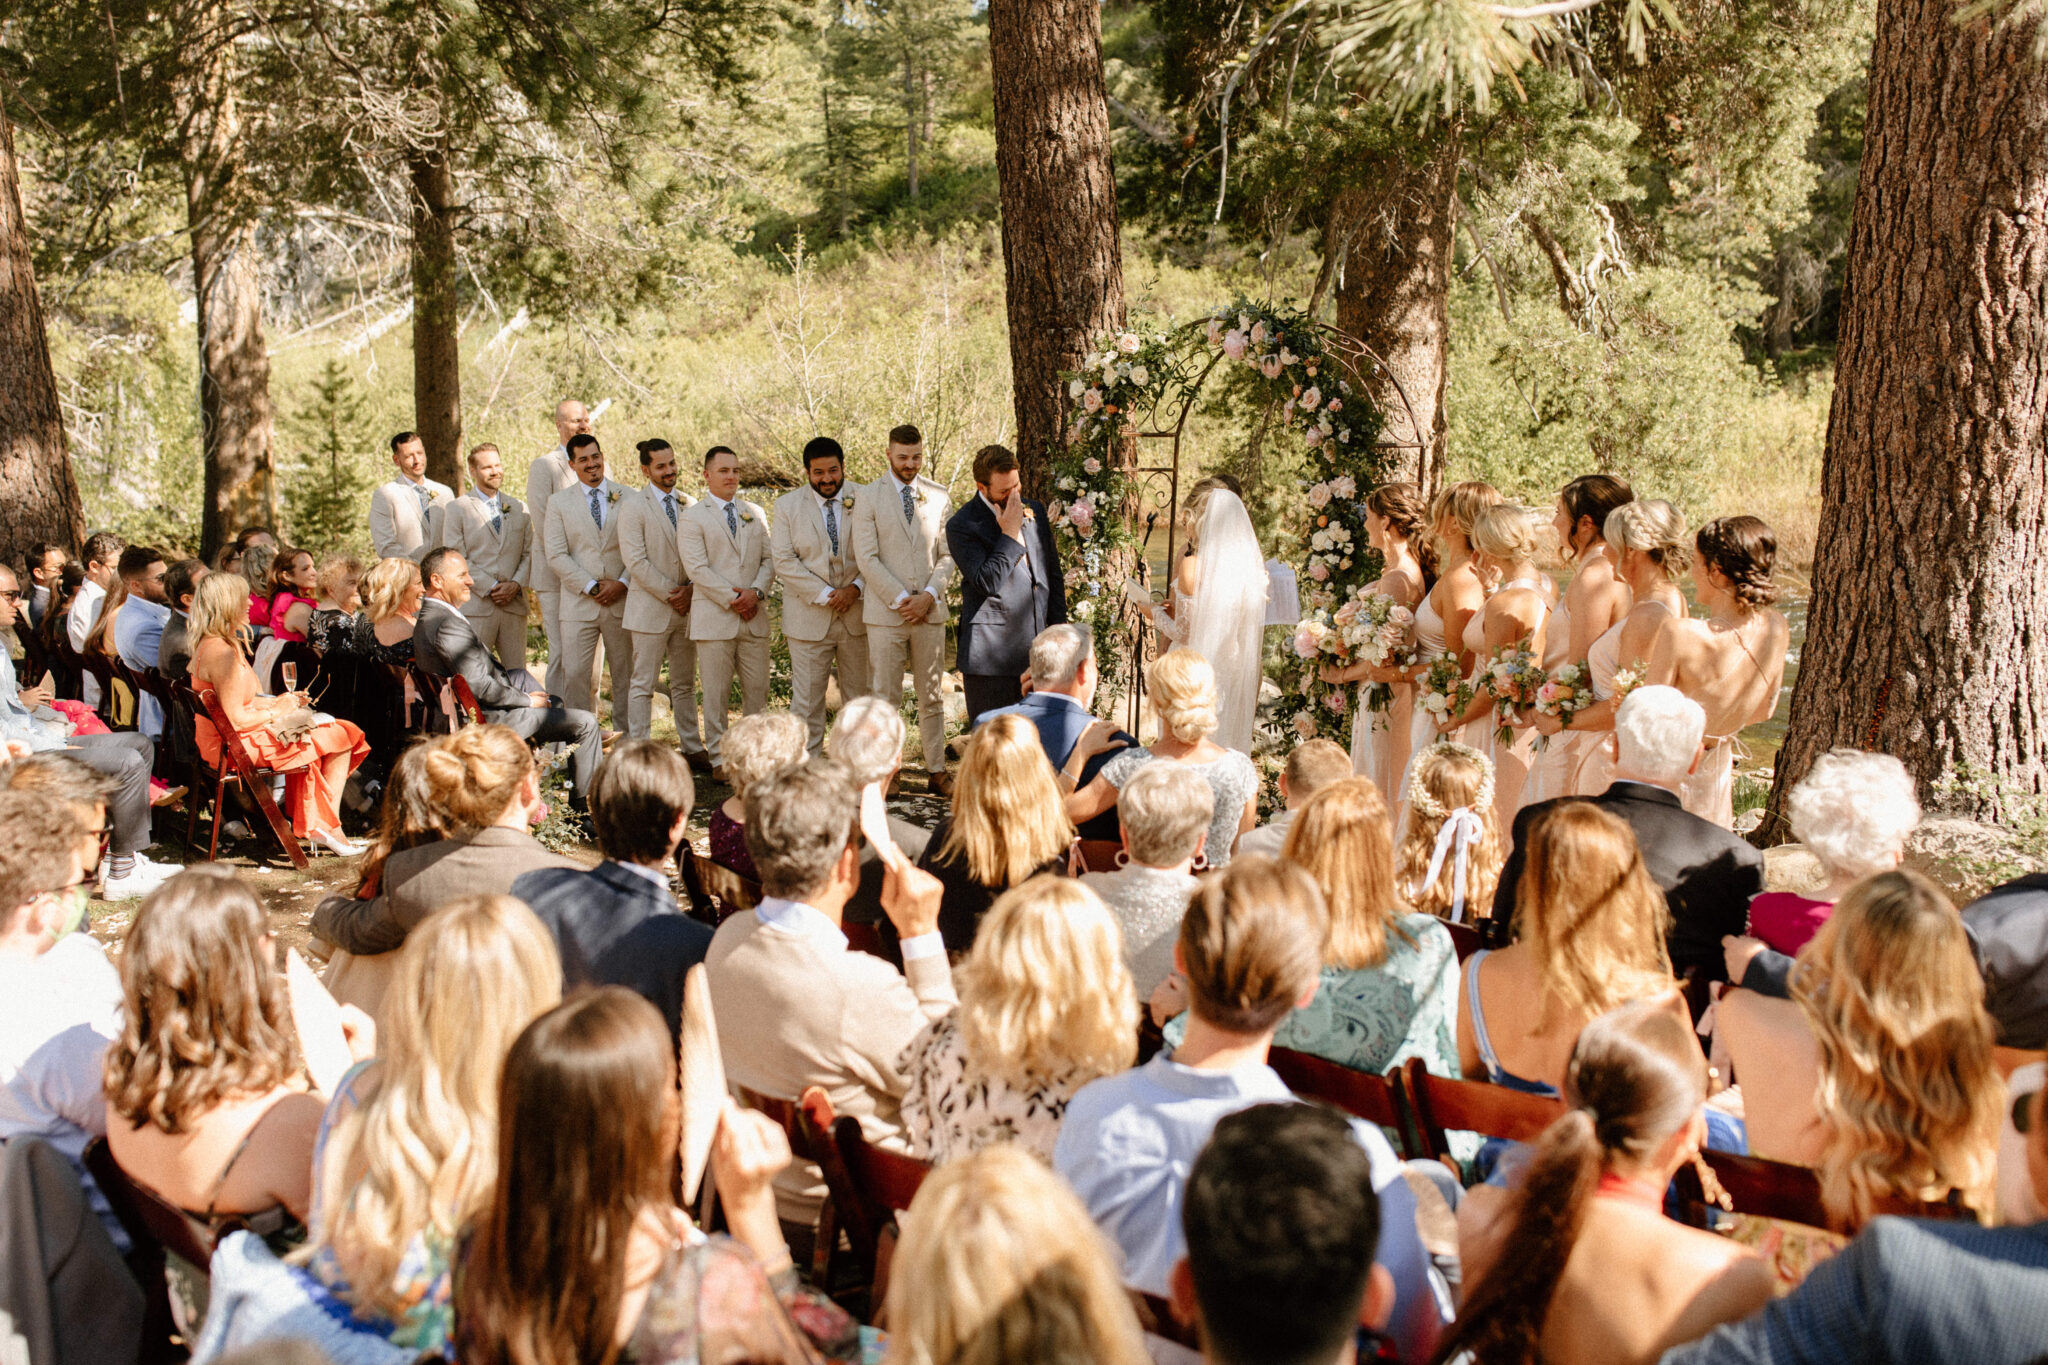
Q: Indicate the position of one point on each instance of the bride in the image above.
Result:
(1217, 605)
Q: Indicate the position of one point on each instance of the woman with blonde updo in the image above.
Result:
(1450, 855)
(1047, 1005)
(1651, 548)
(1506, 539)
(1594, 601)
(1449, 608)
(1006, 826)
(392, 592)
(1183, 690)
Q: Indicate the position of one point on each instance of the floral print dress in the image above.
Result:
(948, 1113)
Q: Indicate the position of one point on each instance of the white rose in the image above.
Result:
(1140, 375)
(1128, 343)
(1075, 387)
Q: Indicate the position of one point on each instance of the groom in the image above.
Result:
(1010, 582)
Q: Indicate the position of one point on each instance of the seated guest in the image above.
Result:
(1878, 1070)
(2008, 928)
(1005, 826)
(1852, 811)
(446, 645)
(1907, 1291)
(1589, 938)
(45, 565)
(223, 1130)
(1281, 1222)
(408, 1149)
(1048, 1008)
(795, 1006)
(1579, 1263)
(336, 599)
(392, 590)
(999, 1265)
(1250, 948)
(1183, 689)
(1164, 817)
(482, 781)
(868, 739)
(320, 752)
(293, 589)
(580, 1245)
(1449, 858)
(407, 818)
(1064, 677)
(1310, 768)
(174, 648)
(137, 634)
(255, 570)
(754, 747)
(618, 924)
(1707, 874)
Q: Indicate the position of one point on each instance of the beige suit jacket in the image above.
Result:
(654, 560)
(578, 552)
(721, 565)
(801, 1009)
(898, 558)
(807, 567)
(550, 475)
(397, 530)
(494, 556)
(419, 881)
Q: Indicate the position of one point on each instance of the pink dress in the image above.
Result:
(281, 607)
(1785, 921)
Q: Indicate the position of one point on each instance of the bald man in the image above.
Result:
(550, 475)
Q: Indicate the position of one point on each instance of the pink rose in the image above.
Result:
(1128, 343)
(1314, 436)
(1334, 405)
(1305, 725)
(1319, 571)
(1233, 344)
(1305, 644)
(1258, 333)
(1313, 399)
(1270, 367)
(1091, 465)
(1401, 616)
(1092, 400)
(1335, 701)
(1215, 331)
(1082, 516)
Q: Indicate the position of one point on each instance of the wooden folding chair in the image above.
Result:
(717, 892)
(1101, 855)
(1777, 1189)
(1474, 1106)
(870, 1186)
(237, 767)
(466, 708)
(1465, 939)
(154, 1227)
(1376, 1099)
(788, 1115)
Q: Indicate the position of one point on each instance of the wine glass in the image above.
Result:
(290, 673)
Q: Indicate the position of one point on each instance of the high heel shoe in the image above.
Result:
(334, 842)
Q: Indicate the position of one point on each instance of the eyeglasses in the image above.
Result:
(11, 594)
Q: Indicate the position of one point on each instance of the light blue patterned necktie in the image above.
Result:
(596, 511)
(732, 522)
(909, 508)
(832, 524)
(426, 501)
(497, 516)
(668, 505)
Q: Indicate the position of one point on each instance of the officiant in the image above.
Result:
(1011, 587)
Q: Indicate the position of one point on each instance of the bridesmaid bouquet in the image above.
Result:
(1515, 678)
(1627, 680)
(1377, 630)
(1568, 691)
(1443, 691)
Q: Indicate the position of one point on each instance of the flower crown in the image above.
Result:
(1426, 805)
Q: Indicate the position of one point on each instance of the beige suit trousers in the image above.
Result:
(925, 648)
(578, 686)
(717, 662)
(650, 648)
(504, 634)
(811, 662)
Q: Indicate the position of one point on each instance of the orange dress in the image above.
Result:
(307, 798)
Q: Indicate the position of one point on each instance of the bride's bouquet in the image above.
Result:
(1514, 677)
(1443, 691)
(1566, 692)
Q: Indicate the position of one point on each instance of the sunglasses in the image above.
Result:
(2023, 1111)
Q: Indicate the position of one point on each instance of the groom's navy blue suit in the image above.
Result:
(1009, 591)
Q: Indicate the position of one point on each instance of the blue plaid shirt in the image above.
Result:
(41, 731)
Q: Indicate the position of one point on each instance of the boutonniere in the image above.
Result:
(612, 496)
(846, 501)
(746, 516)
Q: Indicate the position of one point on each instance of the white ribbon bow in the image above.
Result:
(1460, 828)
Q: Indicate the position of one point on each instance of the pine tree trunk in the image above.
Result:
(910, 118)
(234, 364)
(1395, 296)
(436, 347)
(1062, 263)
(1928, 634)
(38, 496)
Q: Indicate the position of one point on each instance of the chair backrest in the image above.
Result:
(733, 892)
(1376, 1099)
(1777, 1189)
(869, 1186)
(1155, 1315)
(466, 708)
(1475, 1106)
(1465, 939)
(1100, 855)
(231, 746)
(146, 1214)
(863, 938)
(785, 1114)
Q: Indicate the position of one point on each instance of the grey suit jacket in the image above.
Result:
(174, 651)
(446, 645)
(421, 880)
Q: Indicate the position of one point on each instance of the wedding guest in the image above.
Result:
(336, 600)
(1011, 585)
(257, 560)
(1311, 766)
(224, 1131)
(999, 1265)
(1183, 689)
(1579, 1263)
(1450, 855)
(822, 608)
(1281, 1222)
(1878, 1070)
(1593, 603)
(1164, 810)
(406, 512)
(867, 738)
(294, 594)
(407, 818)
(1061, 702)
(548, 475)
(1443, 620)
(1732, 663)
(1853, 811)
(137, 634)
(725, 551)
(659, 595)
(1506, 540)
(1589, 938)
(756, 746)
(1048, 1008)
(580, 1245)
(407, 1151)
(582, 540)
(488, 527)
(45, 565)
(174, 647)
(100, 557)
(279, 731)
(391, 608)
(1005, 826)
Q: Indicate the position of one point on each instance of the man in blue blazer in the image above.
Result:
(1011, 587)
(1063, 677)
(618, 924)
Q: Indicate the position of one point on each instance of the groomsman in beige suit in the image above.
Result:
(724, 541)
(658, 595)
(549, 475)
(821, 606)
(899, 546)
(405, 514)
(583, 549)
(488, 528)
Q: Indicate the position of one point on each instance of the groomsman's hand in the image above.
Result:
(746, 604)
(505, 592)
(680, 598)
(844, 599)
(609, 591)
(916, 608)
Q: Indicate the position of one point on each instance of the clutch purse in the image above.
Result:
(294, 725)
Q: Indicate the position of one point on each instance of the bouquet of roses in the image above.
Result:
(1568, 691)
(1627, 680)
(1514, 677)
(1443, 691)
(1376, 630)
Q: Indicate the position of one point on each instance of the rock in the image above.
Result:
(1967, 857)
(1790, 867)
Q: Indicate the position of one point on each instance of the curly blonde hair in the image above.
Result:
(1046, 997)
(1907, 1091)
(1446, 776)
(1590, 914)
(1184, 694)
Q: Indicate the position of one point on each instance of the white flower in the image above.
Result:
(1214, 331)
(1067, 482)
(1140, 375)
(1244, 322)
(1313, 437)
(1128, 343)
(1319, 495)
(1345, 436)
(1091, 465)
(1287, 357)
(1075, 388)
(1344, 486)
(1092, 399)
(1313, 399)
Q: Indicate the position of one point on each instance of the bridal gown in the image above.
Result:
(1511, 761)
(1236, 716)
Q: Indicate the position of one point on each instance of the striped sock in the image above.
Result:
(119, 865)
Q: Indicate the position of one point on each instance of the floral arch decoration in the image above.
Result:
(1134, 393)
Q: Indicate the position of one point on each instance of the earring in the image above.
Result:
(1710, 1185)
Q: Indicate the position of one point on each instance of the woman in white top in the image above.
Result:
(1397, 522)
(1505, 542)
(1594, 601)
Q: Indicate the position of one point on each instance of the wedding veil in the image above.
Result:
(1227, 617)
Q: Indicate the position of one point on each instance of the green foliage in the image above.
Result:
(326, 482)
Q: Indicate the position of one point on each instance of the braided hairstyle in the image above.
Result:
(1743, 550)
(1407, 511)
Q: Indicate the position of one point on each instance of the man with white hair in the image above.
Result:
(1063, 680)
(868, 739)
(1707, 874)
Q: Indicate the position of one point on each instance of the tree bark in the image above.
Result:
(1062, 262)
(1395, 296)
(38, 495)
(436, 347)
(1928, 634)
(234, 364)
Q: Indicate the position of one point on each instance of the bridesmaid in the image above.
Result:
(1505, 542)
(1397, 522)
(1594, 601)
(1651, 549)
(1732, 663)
(1450, 606)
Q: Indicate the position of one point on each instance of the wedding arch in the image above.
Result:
(1134, 396)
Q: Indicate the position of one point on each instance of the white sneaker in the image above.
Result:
(161, 870)
(136, 884)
